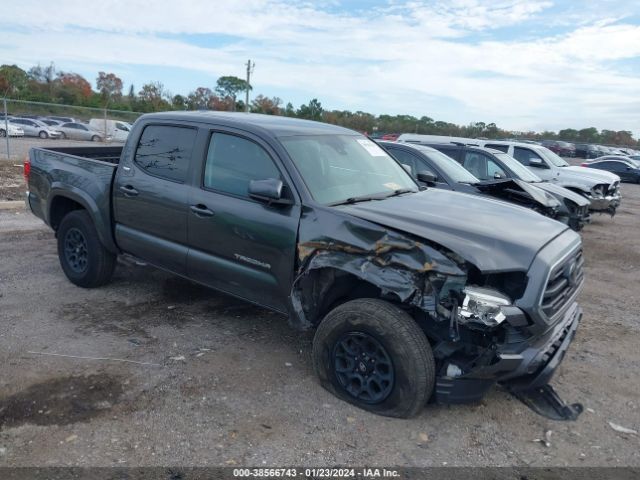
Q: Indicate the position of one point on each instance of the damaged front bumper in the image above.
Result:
(607, 203)
(519, 366)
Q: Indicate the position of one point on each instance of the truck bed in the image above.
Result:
(109, 154)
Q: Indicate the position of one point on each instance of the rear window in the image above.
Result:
(165, 151)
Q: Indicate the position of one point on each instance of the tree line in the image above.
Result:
(48, 84)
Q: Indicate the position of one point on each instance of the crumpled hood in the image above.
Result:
(495, 187)
(562, 192)
(491, 234)
(598, 176)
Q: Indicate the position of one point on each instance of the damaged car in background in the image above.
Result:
(413, 294)
(488, 164)
(430, 167)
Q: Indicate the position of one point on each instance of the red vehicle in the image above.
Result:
(392, 137)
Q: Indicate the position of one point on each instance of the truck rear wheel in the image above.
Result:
(84, 260)
(373, 354)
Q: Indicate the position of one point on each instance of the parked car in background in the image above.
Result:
(586, 150)
(118, 130)
(63, 119)
(489, 164)
(50, 122)
(390, 136)
(80, 131)
(626, 168)
(564, 149)
(14, 130)
(36, 128)
(601, 188)
(435, 169)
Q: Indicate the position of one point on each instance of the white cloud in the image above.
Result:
(426, 58)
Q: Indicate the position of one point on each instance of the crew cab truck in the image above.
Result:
(413, 294)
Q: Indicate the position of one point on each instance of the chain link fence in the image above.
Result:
(25, 124)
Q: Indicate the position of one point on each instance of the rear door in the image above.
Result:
(150, 196)
(237, 244)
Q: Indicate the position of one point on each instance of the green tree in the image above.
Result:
(13, 80)
(312, 111)
(230, 86)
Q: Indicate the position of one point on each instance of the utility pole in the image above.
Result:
(250, 66)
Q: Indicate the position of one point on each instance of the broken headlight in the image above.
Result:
(482, 305)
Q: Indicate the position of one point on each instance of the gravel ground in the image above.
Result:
(221, 383)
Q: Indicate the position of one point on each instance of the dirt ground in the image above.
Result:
(203, 379)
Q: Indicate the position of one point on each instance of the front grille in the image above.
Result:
(564, 280)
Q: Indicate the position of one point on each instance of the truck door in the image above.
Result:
(237, 244)
(150, 196)
(535, 163)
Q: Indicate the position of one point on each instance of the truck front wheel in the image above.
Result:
(373, 354)
(84, 260)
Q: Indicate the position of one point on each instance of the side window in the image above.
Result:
(524, 155)
(165, 151)
(502, 148)
(232, 162)
(494, 170)
(476, 163)
(405, 158)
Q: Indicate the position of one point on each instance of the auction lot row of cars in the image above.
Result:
(430, 268)
(57, 127)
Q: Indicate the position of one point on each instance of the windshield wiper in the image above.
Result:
(400, 191)
(351, 200)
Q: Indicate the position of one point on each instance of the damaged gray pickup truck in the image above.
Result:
(414, 294)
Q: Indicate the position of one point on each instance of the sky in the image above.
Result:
(523, 64)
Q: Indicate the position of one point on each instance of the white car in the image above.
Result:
(14, 130)
(118, 130)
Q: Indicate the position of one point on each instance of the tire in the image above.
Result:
(43, 135)
(95, 138)
(63, 136)
(411, 361)
(3, 133)
(84, 260)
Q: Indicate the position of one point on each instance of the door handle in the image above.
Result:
(201, 210)
(129, 191)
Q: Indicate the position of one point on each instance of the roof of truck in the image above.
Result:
(277, 126)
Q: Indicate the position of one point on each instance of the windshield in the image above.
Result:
(552, 157)
(449, 166)
(519, 170)
(336, 168)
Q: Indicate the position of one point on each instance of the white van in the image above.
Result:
(118, 129)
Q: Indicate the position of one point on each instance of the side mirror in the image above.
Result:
(536, 162)
(497, 176)
(268, 190)
(426, 177)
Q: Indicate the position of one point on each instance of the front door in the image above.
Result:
(150, 197)
(237, 244)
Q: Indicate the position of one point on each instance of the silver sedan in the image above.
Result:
(80, 131)
(35, 128)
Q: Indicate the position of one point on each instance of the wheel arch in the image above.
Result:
(63, 201)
